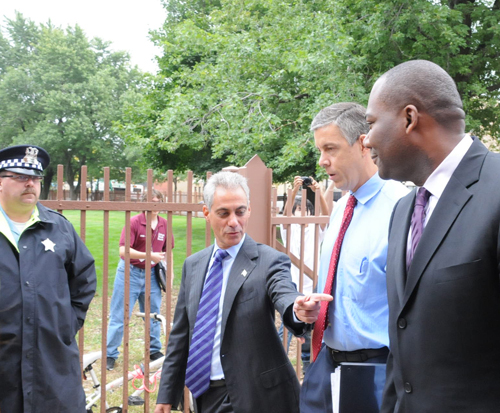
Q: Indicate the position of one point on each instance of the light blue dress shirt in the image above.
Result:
(216, 372)
(16, 228)
(358, 315)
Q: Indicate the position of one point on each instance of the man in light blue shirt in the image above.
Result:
(358, 315)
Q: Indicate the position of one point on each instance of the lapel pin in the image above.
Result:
(244, 273)
(49, 245)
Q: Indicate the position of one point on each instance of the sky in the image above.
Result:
(124, 23)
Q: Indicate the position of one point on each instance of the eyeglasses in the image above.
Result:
(23, 178)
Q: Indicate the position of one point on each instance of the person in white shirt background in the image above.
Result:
(309, 242)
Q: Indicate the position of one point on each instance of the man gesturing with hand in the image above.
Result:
(224, 345)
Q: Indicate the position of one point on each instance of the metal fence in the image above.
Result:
(263, 227)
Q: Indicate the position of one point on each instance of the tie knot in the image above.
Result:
(352, 201)
(220, 254)
(423, 196)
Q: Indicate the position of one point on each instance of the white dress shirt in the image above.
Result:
(439, 178)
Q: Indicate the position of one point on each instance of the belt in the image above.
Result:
(217, 383)
(357, 356)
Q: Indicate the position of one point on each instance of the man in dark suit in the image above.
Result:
(444, 253)
(247, 369)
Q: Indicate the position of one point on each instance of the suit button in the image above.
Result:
(408, 388)
(402, 323)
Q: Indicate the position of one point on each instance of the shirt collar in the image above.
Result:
(369, 189)
(439, 178)
(233, 251)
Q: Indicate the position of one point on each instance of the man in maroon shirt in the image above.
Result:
(137, 280)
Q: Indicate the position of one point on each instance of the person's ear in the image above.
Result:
(412, 116)
(206, 213)
(361, 140)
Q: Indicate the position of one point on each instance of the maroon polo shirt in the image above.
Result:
(138, 237)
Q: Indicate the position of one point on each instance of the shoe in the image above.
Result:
(156, 356)
(135, 401)
(110, 363)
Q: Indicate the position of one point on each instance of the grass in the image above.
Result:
(94, 239)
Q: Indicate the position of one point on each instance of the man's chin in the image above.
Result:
(29, 199)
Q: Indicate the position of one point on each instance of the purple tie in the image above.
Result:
(202, 341)
(417, 222)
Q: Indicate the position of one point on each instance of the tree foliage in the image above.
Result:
(63, 92)
(245, 77)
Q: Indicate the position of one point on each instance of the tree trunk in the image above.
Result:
(47, 180)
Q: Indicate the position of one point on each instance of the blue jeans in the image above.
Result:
(137, 293)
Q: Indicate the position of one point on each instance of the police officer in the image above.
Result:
(47, 280)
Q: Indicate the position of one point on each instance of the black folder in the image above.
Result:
(357, 387)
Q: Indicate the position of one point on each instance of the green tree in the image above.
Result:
(63, 92)
(240, 77)
(462, 36)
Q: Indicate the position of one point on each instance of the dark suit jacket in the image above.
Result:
(444, 315)
(257, 370)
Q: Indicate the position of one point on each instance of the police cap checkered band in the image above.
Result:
(24, 159)
(18, 163)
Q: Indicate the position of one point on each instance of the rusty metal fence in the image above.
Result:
(263, 227)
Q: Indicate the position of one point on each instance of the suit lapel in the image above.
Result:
(452, 201)
(241, 270)
(199, 270)
(399, 235)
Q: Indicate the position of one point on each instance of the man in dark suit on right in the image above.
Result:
(444, 246)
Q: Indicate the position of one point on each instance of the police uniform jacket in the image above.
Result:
(46, 284)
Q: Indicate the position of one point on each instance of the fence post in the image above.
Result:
(260, 180)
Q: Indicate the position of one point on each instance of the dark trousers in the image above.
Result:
(214, 400)
(316, 392)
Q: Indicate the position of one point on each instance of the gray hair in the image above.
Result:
(226, 180)
(349, 117)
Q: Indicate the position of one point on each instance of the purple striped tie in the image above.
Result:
(417, 222)
(202, 341)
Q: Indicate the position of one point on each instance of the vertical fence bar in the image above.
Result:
(208, 230)
(147, 301)
(60, 184)
(189, 214)
(105, 290)
(287, 211)
(126, 293)
(83, 222)
(274, 207)
(170, 257)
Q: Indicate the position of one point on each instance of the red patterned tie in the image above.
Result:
(320, 325)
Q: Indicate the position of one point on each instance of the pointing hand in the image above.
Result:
(307, 307)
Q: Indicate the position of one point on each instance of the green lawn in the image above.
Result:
(95, 239)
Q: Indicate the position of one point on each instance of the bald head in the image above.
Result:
(426, 86)
(416, 119)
